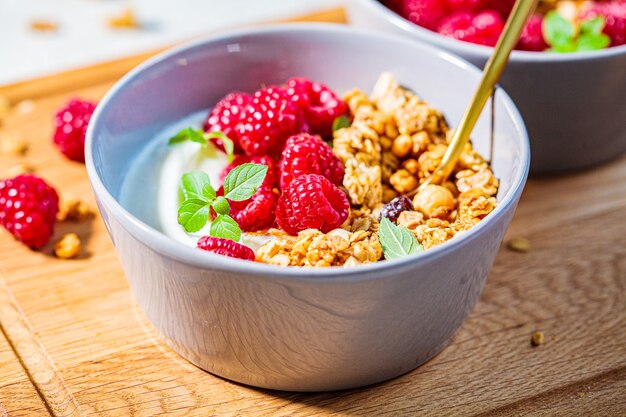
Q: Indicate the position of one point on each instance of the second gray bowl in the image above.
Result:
(574, 105)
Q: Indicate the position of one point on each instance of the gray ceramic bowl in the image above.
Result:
(574, 105)
(289, 328)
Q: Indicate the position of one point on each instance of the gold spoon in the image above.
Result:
(522, 10)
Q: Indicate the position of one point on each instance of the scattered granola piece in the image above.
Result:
(5, 107)
(42, 25)
(537, 339)
(25, 107)
(74, 210)
(518, 244)
(21, 168)
(68, 247)
(125, 20)
(11, 146)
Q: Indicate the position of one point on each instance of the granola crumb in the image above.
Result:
(5, 107)
(9, 145)
(68, 247)
(74, 210)
(20, 169)
(42, 25)
(537, 339)
(125, 20)
(25, 107)
(518, 244)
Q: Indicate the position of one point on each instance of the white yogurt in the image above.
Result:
(151, 189)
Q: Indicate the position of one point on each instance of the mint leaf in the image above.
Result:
(242, 182)
(397, 241)
(592, 42)
(208, 192)
(341, 122)
(193, 215)
(197, 185)
(558, 32)
(593, 25)
(229, 145)
(188, 134)
(221, 206)
(225, 227)
(569, 46)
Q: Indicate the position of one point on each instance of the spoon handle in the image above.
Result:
(522, 10)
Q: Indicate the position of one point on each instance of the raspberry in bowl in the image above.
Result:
(263, 322)
(571, 99)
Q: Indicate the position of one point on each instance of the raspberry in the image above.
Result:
(267, 122)
(256, 213)
(472, 6)
(225, 116)
(614, 13)
(531, 38)
(225, 247)
(483, 28)
(503, 7)
(28, 209)
(311, 202)
(395, 5)
(392, 209)
(271, 178)
(425, 13)
(308, 154)
(71, 124)
(320, 104)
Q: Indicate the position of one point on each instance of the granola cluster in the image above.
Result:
(393, 145)
(311, 247)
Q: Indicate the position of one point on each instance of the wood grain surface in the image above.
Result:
(74, 343)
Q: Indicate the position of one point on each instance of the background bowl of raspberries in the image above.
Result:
(566, 76)
(295, 328)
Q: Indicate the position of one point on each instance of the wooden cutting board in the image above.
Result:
(74, 343)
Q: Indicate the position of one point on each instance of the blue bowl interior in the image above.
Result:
(195, 77)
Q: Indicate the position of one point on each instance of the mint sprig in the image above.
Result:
(189, 134)
(397, 241)
(561, 34)
(199, 197)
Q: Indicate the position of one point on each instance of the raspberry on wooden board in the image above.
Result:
(71, 123)
(28, 209)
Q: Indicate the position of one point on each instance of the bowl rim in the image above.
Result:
(481, 51)
(168, 247)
